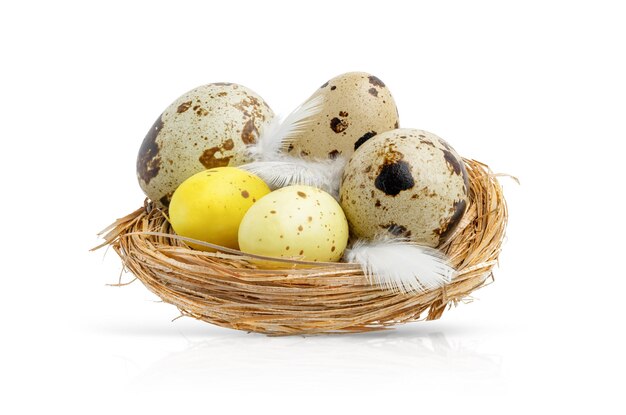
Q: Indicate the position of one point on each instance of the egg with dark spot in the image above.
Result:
(405, 183)
(207, 127)
(356, 107)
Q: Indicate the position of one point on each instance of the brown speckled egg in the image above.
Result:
(357, 106)
(295, 222)
(406, 183)
(207, 127)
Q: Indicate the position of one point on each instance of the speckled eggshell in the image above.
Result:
(300, 222)
(207, 127)
(357, 106)
(407, 183)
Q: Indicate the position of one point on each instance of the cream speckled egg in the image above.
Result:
(295, 222)
(407, 183)
(207, 127)
(357, 106)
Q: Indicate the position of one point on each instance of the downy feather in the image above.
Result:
(278, 134)
(286, 170)
(400, 265)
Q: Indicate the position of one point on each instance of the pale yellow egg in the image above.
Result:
(300, 222)
(210, 205)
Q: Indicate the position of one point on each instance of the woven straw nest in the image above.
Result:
(225, 289)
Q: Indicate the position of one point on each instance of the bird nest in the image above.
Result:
(227, 289)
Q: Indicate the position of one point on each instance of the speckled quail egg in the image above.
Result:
(357, 106)
(207, 127)
(407, 183)
(300, 222)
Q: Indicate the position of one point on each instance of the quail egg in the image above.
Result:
(207, 127)
(295, 222)
(406, 183)
(357, 106)
(209, 205)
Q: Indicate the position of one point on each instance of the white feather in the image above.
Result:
(278, 134)
(286, 170)
(400, 265)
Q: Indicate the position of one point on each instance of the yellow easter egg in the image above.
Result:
(210, 205)
(299, 222)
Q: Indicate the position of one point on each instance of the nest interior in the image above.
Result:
(226, 289)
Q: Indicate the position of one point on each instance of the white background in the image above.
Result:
(535, 89)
